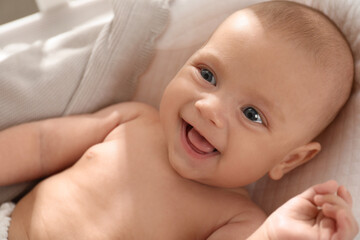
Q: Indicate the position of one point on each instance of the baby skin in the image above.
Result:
(130, 171)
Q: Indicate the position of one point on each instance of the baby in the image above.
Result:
(249, 102)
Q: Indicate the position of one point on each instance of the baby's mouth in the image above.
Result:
(198, 143)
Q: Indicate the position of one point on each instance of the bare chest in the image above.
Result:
(125, 189)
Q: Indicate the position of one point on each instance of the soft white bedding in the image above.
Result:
(91, 59)
(189, 25)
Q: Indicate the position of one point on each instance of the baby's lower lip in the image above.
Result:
(189, 148)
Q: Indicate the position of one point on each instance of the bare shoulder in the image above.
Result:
(250, 209)
(242, 224)
(144, 108)
(128, 114)
(252, 217)
(136, 105)
(127, 111)
(143, 111)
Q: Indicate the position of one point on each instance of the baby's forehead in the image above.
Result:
(304, 28)
(300, 24)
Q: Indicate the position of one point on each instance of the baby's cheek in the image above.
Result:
(245, 169)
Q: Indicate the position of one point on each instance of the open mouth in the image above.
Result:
(196, 144)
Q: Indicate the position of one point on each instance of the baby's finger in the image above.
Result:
(329, 187)
(320, 200)
(344, 194)
(330, 210)
(347, 227)
(327, 226)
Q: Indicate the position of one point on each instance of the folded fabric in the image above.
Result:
(5, 218)
(88, 66)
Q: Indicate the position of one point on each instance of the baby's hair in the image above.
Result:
(313, 31)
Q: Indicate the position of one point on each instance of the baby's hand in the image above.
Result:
(336, 207)
(321, 212)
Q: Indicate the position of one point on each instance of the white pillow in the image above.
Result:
(191, 24)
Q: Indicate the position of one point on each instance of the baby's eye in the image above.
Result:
(252, 115)
(208, 76)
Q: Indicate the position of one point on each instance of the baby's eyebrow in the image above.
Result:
(212, 56)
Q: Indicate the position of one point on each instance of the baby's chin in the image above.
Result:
(186, 172)
(206, 175)
(200, 178)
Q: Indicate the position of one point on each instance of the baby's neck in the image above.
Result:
(240, 190)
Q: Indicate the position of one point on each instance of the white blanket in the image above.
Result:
(91, 59)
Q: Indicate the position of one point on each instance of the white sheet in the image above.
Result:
(75, 59)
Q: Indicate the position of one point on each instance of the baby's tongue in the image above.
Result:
(200, 142)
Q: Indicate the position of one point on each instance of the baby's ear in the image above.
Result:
(294, 159)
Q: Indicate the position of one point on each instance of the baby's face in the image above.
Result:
(239, 105)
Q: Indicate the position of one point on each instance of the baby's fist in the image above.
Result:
(336, 207)
(321, 212)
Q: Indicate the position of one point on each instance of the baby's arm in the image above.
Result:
(32, 150)
(321, 212)
(242, 225)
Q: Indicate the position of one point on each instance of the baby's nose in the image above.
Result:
(212, 110)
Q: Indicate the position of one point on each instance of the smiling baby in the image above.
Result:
(249, 102)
